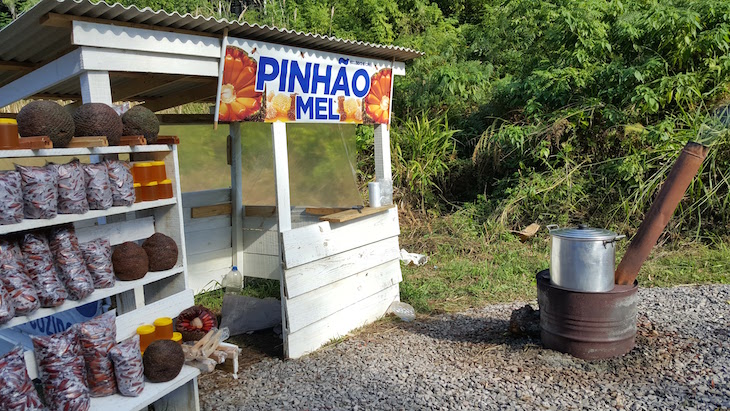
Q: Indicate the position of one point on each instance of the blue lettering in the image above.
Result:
(320, 108)
(304, 107)
(360, 92)
(262, 76)
(34, 324)
(282, 77)
(301, 78)
(318, 79)
(59, 325)
(341, 82)
(333, 114)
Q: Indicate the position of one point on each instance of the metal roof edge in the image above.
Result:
(251, 31)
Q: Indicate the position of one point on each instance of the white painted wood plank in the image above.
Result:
(261, 266)
(119, 287)
(169, 307)
(260, 223)
(207, 281)
(281, 175)
(143, 62)
(308, 277)
(203, 262)
(59, 70)
(85, 151)
(120, 232)
(314, 242)
(261, 242)
(169, 221)
(236, 192)
(151, 392)
(186, 380)
(198, 226)
(184, 398)
(95, 87)
(382, 153)
(322, 302)
(129, 38)
(399, 69)
(70, 218)
(206, 197)
(216, 239)
(342, 322)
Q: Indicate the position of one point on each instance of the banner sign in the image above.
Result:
(267, 82)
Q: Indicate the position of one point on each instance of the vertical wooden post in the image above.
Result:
(237, 211)
(281, 176)
(383, 171)
(95, 87)
(283, 212)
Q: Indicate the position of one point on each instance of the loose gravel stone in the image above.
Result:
(468, 361)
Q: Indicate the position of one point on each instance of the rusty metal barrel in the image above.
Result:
(587, 325)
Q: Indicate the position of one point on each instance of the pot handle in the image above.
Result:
(618, 237)
(552, 227)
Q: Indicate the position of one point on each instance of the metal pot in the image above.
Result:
(583, 258)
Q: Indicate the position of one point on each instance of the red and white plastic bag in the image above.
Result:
(17, 392)
(70, 262)
(40, 195)
(98, 256)
(121, 182)
(98, 190)
(97, 336)
(62, 370)
(11, 198)
(128, 366)
(71, 188)
(15, 279)
(42, 270)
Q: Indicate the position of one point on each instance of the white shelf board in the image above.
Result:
(151, 393)
(119, 287)
(29, 224)
(84, 151)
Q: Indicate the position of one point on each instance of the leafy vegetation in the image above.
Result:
(552, 111)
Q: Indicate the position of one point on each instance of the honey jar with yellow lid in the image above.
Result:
(158, 171)
(9, 138)
(164, 189)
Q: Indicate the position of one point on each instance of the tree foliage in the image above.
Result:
(567, 110)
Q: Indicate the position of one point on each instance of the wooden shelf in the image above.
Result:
(84, 151)
(70, 218)
(119, 287)
(152, 392)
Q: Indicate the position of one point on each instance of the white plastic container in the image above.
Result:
(233, 282)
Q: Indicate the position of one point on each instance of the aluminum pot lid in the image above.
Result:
(583, 232)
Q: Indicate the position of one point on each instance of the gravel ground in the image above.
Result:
(469, 361)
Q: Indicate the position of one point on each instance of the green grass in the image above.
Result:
(253, 287)
(471, 266)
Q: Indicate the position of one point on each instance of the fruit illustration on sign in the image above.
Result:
(239, 99)
(377, 102)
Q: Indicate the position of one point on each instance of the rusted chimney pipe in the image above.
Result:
(679, 178)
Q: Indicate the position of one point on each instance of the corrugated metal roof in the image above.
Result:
(39, 40)
(31, 41)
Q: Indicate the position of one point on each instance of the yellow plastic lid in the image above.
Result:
(145, 329)
(177, 337)
(163, 321)
(143, 164)
(8, 121)
(136, 185)
(151, 184)
(158, 163)
(168, 181)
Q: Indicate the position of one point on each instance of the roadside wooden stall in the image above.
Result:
(337, 272)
